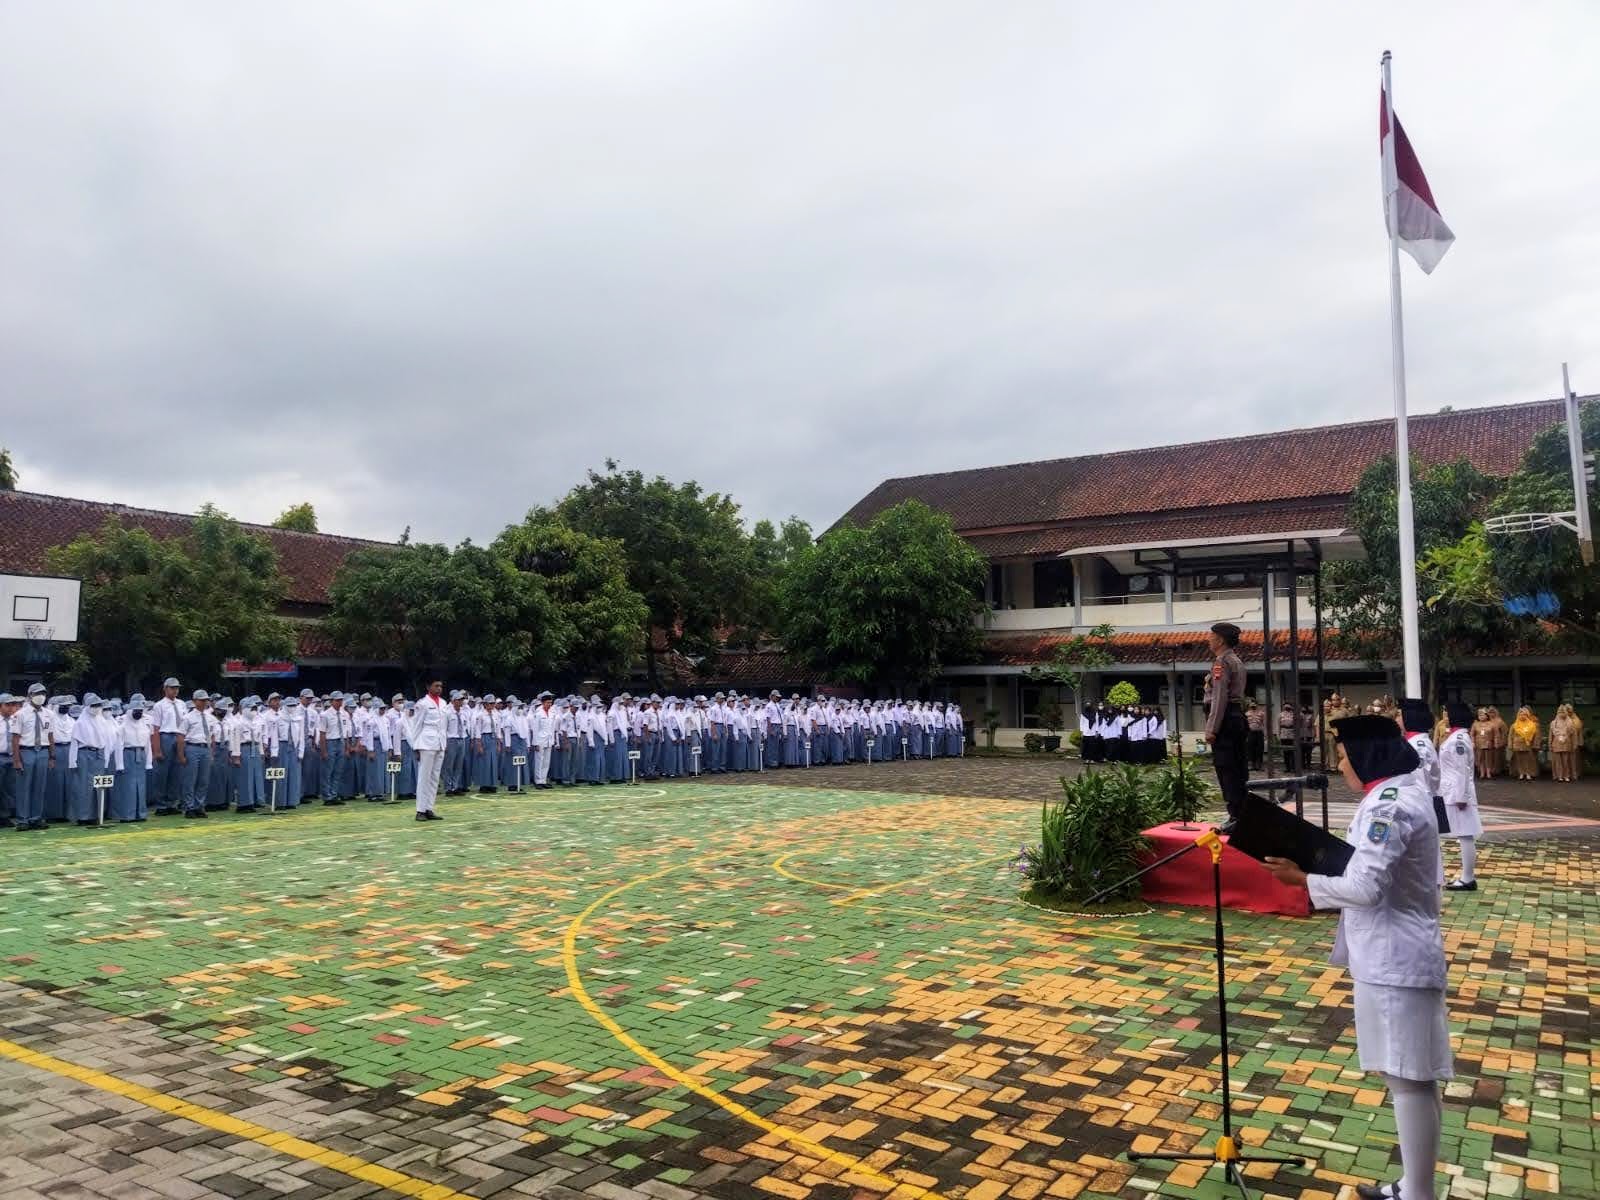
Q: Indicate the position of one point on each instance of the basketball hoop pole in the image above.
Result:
(1580, 488)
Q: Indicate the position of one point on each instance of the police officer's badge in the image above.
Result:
(1389, 793)
(1378, 832)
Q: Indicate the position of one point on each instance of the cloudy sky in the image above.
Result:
(422, 264)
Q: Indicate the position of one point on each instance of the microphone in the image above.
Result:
(1278, 783)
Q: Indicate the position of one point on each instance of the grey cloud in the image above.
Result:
(424, 264)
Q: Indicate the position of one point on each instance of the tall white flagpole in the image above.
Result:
(1410, 639)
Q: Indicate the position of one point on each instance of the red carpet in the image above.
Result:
(1246, 884)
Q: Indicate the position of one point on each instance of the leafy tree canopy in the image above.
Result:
(8, 471)
(1363, 598)
(435, 609)
(602, 618)
(888, 602)
(153, 605)
(687, 551)
(301, 517)
(1485, 571)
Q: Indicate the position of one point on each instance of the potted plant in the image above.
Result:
(991, 724)
(1049, 714)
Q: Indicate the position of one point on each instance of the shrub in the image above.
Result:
(1033, 743)
(991, 722)
(1178, 791)
(1122, 694)
(1093, 837)
(1075, 739)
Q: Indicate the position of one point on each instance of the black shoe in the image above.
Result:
(422, 816)
(1378, 1191)
(1458, 885)
(87, 824)
(332, 803)
(1228, 826)
(430, 815)
(248, 808)
(39, 826)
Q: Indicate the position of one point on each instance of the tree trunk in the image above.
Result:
(650, 661)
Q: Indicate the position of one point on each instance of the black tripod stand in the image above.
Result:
(1226, 1152)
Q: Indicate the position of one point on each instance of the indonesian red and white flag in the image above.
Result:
(1406, 196)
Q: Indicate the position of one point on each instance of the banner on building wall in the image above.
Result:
(237, 668)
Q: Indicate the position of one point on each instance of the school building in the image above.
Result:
(1162, 543)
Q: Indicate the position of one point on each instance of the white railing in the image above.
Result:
(1127, 612)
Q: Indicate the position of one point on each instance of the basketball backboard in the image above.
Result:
(1580, 476)
(39, 608)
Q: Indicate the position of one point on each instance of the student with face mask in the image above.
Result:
(131, 798)
(32, 756)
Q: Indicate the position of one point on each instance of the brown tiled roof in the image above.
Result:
(31, 523)
(1156, 648)
(1296, 465)
(1177, 527)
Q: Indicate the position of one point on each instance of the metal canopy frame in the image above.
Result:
(1294, 561)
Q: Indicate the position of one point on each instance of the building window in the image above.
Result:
(1052, 583)
(1223, 581)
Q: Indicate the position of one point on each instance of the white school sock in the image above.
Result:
(1469, 859)
(1418, 1114)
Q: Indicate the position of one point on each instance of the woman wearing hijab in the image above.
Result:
(1390, 941)
(1460, 792)
(1525, 742)
(1565, 739)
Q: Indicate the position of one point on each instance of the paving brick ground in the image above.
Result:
(723, 990)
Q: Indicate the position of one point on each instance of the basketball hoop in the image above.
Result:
(1530, 522)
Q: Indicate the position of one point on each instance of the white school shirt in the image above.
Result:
(87, 731)
(34, 726)
(199, 728)
(429, 723)
(136, 735)
(167, 715)
(336, 724)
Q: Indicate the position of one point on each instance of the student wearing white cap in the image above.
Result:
(333, 733)
(197, 734)
(166, 718)
(8, 775)
(130, 800)
(457, 727)
(32, 755)
(288, 748)
(86, 758)
(310, 717)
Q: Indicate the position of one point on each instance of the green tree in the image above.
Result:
(301, 517)
(1363, 597)
(688, 554)
(184, 604)
(888, 602)
(1483, 571)
(773, 551)
(1122, 694)
(1080, 655)
(431, 609)
(602, 619)
(8, 471)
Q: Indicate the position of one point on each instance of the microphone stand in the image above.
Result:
(1225, 1153)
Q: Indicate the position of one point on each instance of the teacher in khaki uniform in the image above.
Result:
(1390, 941)
(1227, 731)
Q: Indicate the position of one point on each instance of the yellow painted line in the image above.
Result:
(275, 1140)
(889, 887)
(569, 958)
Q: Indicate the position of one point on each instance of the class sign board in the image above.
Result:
(277, 773)
(105, 781)
(519, 760)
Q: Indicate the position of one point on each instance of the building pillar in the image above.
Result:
(1014, 698)
(1166, 590)
(988, 693)
(1516, 688)
(1172, 694)
(1077, 593)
